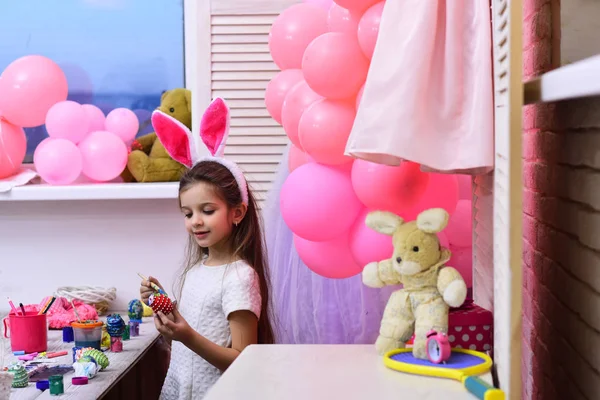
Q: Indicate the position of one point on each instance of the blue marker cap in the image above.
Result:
(19, 353)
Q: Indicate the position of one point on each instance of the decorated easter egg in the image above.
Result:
(135, 310)
(160, 302)
(147, 310)
(115, 325)
(20, 377)
(98, 356)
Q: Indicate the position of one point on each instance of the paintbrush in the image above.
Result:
(154, 285)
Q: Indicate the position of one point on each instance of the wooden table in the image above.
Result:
(120, 364)
(315, 372)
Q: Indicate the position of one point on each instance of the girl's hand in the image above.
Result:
(146, 288)
(174, 328)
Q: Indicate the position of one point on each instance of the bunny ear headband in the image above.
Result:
(189, 150)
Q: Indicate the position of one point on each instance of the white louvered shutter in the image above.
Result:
(508, 210)
(232, 61)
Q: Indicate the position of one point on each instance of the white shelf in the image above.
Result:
(580, 79)
(94, 191)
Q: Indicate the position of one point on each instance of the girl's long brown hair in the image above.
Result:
(247, 238)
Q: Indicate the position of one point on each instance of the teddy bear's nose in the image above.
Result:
(398, 260)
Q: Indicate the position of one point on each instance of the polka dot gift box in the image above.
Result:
(471, 327)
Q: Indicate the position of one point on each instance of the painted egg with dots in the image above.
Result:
(160, 302)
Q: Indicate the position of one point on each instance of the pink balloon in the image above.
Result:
(465, 186)
(358, 6)
(104, 156)
(342, 20)
(13, 147)
(460, 226)
(96, 117)
(293, 30)
(317, 202)
(324, 129)
(324, 4)
(368, 29)
(297, 158)
(278, 88)
(58, 161)
(334, 66)
(443, 239)
(67, 120)
(123, 123)
(383, 187)
(359, 96)
(31, 85)
(441, 192)
(462, 260)
(331, 259)
(297, 100)
(368, 245)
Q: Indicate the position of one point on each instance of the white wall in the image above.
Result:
(46, 244)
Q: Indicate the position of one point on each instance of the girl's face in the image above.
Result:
(207, 217)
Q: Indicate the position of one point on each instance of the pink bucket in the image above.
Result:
(27, 333)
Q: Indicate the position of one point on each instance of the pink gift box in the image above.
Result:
(471, 327)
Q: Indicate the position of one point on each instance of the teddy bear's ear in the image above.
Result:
(433, 220)
(383, 222)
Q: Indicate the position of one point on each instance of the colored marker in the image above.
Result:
(12, 306)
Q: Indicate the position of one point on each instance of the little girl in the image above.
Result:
(223, 291)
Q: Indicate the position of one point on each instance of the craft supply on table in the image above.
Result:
(463, 366)
(68, 334)
(87, 333)
(115, 326)
(46, 372)
(57, 386)
(47, 303)
(135, 310)
(28, 333)
(98, 356)
(79, 380)
(42, 385)
(86, 367)
(20, 377)
(134, 328)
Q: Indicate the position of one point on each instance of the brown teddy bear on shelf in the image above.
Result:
(148, 160)
(418, 263)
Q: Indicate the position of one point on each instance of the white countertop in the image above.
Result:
(326, 372)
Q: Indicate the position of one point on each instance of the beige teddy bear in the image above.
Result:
(429, 286)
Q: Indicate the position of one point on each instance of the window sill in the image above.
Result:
(95, 191)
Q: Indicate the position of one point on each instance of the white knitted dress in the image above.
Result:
(209, 295)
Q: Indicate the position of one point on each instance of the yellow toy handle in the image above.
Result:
(482, 389)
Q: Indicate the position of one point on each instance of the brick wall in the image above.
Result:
(561, 223)
(561, 216)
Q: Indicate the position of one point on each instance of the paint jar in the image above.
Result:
(57, 386)
(87, 334)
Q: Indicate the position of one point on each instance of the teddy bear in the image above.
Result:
(429, 287)
(148, 160)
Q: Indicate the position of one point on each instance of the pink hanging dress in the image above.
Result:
(428, 97)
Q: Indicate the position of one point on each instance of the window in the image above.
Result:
(115, 53)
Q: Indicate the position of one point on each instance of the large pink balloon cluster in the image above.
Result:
(29, 86)
(324, 50)
(83, 140)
